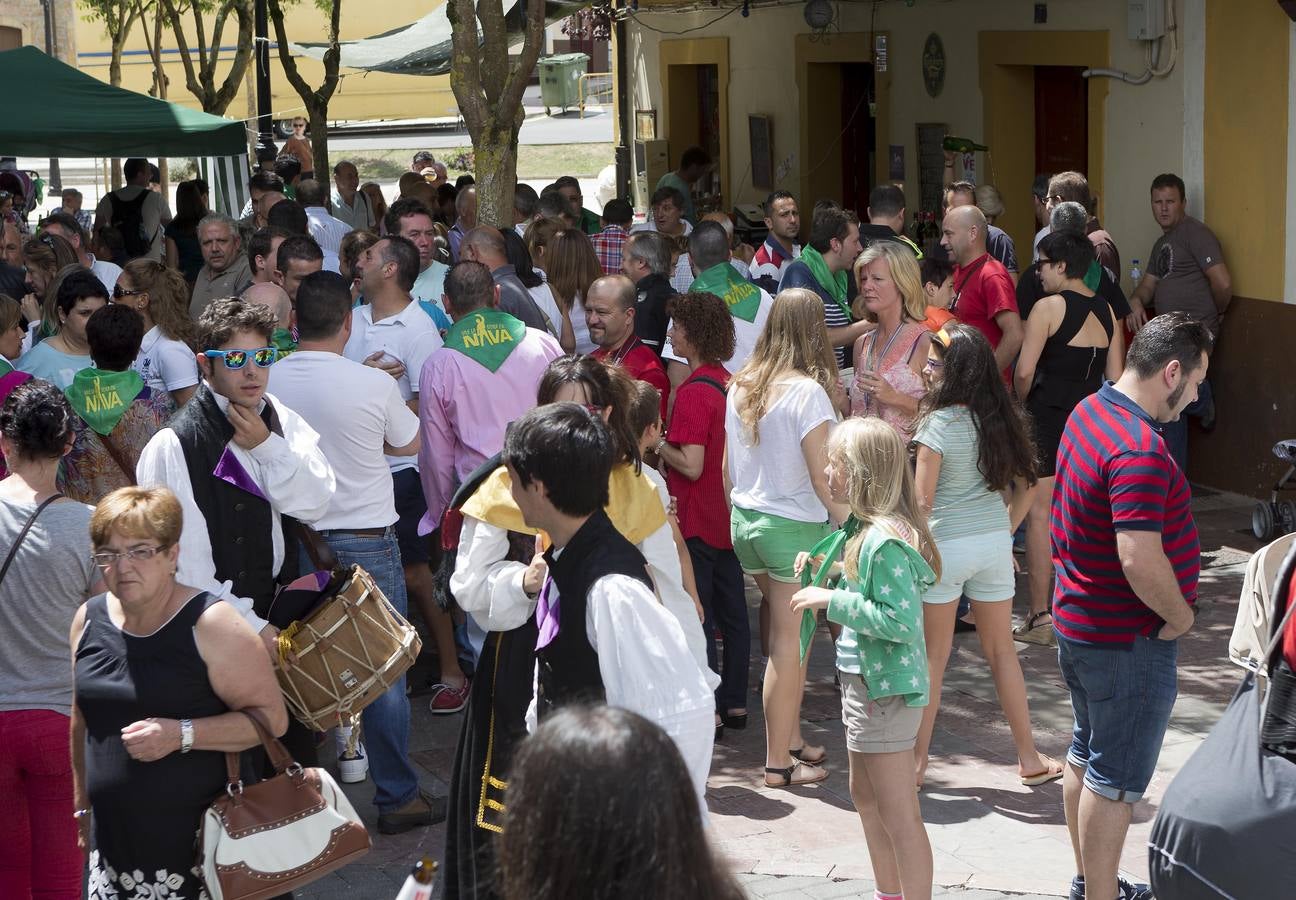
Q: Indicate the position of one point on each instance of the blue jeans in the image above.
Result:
(1176, 432)
(386, 721)
(1122, 697)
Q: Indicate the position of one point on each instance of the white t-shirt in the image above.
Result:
(165, 364)
(771, 477)
(745, 335)
(107, 272)
(580, 328)
(355, 409)
(542, 294)
(410, 336)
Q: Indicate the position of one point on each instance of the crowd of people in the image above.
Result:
(563, 440)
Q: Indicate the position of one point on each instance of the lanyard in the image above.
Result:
(626, 348)
(958, 288)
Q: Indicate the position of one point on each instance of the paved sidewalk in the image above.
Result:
(991, 836)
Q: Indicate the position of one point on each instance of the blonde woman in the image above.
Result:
(299, 146)
(166, 358)
(777, 418)
(889, 359)
(989, 202)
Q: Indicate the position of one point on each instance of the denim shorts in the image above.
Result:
(1122, 698)
(768, 544)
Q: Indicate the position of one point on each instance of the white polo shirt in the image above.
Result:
(410, 336)
(355, 409)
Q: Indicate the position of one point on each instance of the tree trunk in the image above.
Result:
(317, 115)
(489, 93)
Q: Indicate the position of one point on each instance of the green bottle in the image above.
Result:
(961, 144)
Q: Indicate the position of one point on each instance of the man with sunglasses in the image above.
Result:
(239, 460)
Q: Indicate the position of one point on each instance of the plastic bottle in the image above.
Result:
(961, 144)
(1135, 272)
(418, 886)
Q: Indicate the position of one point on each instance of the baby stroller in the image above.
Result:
(1277, 516)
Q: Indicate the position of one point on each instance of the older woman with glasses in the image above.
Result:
(162, 671)
(45, 574)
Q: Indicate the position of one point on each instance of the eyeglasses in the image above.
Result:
(138, 554)
(119, 292)
(237, 359)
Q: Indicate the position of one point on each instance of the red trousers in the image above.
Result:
(39, 859)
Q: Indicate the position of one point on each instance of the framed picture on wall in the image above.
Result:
(645, 124)
(762, 151)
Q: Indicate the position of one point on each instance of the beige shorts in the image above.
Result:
(877, 726)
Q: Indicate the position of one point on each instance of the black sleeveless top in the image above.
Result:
(1064, 370)
(146, 814)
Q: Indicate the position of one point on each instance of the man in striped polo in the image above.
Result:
(1127, 558)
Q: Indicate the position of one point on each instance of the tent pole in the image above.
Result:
(55, 176)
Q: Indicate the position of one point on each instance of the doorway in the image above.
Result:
(1061, 119)
(695, 110)
(858, 136)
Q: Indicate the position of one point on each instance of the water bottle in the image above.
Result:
(1135, 272)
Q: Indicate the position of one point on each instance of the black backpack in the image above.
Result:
(128, 219)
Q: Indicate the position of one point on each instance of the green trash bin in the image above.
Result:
(560, 79)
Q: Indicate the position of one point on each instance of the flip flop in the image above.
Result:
(788, 780)
(1052, 772)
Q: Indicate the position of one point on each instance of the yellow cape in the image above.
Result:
(634, 506)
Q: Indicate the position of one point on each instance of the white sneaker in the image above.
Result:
(353, 768)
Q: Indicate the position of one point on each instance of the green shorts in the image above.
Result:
(769, 544)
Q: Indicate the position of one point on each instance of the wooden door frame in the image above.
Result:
(697, 52)
(1007, 61)
(848, 47)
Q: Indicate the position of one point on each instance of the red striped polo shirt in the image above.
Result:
(1114, 473)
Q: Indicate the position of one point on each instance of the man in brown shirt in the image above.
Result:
(1185, 273)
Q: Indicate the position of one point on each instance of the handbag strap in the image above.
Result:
(13, 551)
(118, 457)
(279, 756)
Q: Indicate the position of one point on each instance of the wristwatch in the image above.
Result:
(661, 442)
(186, 735)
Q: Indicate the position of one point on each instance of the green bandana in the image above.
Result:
(740, 295)
(834, 284)
(101, 397)
(5, 368)
(1093, 275)
(486, 336)
(282, 340)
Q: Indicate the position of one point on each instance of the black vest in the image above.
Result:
(569, 666)
(238, 523)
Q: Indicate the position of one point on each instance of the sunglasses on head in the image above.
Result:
(237, 359)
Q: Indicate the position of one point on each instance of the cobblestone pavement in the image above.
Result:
(991, 837)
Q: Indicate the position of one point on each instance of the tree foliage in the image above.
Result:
(488, 89)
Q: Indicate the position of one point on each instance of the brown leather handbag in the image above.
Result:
(264, 839)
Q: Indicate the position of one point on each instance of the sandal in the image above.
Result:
(1030, 629)
(800, 756)
(1052, 771)
(788, 780)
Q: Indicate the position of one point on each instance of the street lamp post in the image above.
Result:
(265, 129)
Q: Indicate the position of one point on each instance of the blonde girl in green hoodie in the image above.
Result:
(889, 559)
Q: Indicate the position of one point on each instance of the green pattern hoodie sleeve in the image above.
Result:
(885, 603)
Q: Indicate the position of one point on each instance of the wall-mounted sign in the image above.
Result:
(933, 65)
(880, 53)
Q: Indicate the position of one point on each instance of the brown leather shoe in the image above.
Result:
(420, 812)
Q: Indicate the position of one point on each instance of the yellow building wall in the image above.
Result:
(359, 95)
(1143, 133)
(1245, 141)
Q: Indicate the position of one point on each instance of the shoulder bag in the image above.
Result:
(262, 840)
(13, 551)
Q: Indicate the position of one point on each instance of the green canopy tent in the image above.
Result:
(57, 110)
